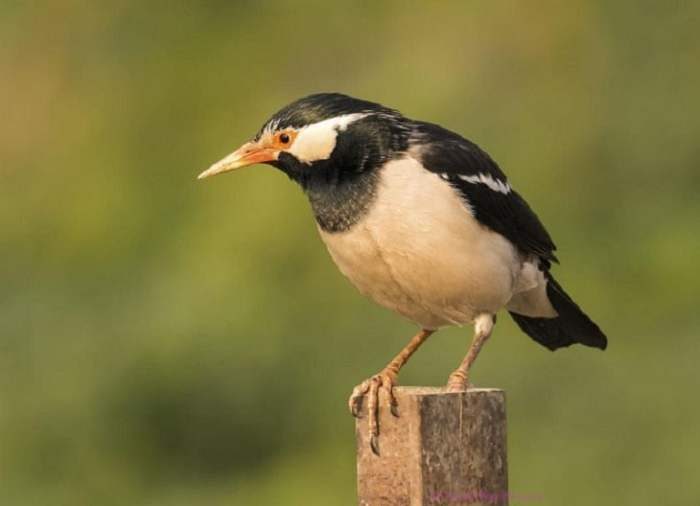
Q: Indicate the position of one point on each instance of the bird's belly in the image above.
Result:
(420, 252)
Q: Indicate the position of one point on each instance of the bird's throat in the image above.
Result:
(339, 206)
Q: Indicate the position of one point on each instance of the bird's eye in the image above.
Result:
(283, 140)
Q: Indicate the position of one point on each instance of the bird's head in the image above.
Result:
(325, 138)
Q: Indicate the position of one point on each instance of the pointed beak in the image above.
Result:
(248, 154)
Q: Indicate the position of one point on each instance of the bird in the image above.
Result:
(423, 222)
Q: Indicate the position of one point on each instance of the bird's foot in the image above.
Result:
(370, 388)
(458, 382)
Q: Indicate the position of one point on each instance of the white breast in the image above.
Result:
(420, 252)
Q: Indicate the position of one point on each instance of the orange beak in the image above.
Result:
(248, 154)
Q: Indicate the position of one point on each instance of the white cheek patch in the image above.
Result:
(317, 141)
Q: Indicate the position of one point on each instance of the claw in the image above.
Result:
(394, 408)
(374, 444)
(355, 400)
(393, 403)
(356, 407)
(370, 389)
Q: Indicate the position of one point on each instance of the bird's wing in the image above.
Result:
(485, 189)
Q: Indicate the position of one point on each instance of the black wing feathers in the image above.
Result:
(486, 191)
(501, 209)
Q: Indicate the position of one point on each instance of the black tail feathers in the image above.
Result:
(571, 326)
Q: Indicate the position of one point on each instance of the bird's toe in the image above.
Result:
(458, 382)
(356, 397)
(370, 389)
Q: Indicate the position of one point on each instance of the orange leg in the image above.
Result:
(459, 380)
(384, 380)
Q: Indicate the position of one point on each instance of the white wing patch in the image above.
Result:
(317, 141)
(495, 184)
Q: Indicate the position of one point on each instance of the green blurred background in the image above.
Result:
(171, 342)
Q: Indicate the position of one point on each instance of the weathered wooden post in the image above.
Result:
(443, 449)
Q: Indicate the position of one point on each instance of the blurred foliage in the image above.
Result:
(169, 342)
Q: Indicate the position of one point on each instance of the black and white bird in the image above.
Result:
(422, 221)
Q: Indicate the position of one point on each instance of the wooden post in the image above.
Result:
(443, 449)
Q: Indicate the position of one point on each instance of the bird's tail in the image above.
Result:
(569, 327)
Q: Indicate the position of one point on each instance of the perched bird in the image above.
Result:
(422, 221)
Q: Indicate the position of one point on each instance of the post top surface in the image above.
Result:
(415, 390)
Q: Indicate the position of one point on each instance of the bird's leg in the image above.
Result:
(459, 380)
(384, 380)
